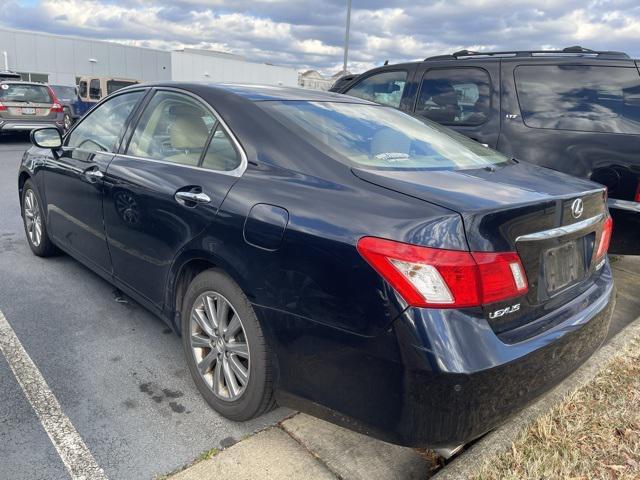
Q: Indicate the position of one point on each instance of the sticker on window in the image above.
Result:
(392, 157)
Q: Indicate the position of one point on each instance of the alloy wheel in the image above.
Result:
(66, 121)
(219, 346)
(32, 218)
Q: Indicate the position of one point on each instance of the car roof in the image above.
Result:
(20, 82)
(257, 93)
(570, 53)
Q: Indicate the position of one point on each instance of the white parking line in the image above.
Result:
(72, 450)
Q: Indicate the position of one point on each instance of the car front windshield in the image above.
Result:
(373, 136)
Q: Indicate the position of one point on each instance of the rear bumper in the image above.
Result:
(23, 125)
(441, 377)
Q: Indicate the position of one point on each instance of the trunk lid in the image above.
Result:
(523, 208)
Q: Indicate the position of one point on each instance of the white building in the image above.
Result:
(314, 80)
(56, 59)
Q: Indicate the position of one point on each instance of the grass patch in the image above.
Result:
(208, 454)
(593, 434)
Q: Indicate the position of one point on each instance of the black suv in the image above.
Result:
(574, 110)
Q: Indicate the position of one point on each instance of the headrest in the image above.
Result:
(188, 132)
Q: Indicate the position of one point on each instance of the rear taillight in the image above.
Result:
(2, 107)
(637, 195)
(56, 107)
(605, 238)
(437, 278)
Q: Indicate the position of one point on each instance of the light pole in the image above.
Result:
(346, 38)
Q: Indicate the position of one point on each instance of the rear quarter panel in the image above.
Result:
(317, 273)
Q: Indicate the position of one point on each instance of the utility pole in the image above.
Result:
(346, 38)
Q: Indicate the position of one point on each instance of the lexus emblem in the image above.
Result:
(577, 207)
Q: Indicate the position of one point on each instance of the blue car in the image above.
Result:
(73, 106)
(330, 254)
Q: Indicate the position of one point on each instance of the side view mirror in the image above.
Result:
(47, 138)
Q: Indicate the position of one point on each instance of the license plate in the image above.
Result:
(28, 111)
(563, 266)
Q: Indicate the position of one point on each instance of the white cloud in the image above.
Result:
(310, 34)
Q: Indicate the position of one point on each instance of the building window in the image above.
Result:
(34, 77)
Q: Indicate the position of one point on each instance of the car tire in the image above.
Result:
(67, 120)
(34, 222)
(212, 356)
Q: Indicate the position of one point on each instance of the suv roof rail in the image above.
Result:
(574, 51)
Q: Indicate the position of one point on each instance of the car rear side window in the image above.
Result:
(385, 88)
(17, 92)
(579, 97)
(374, 136)
(101, 128)
(174, 127)
(455, 96)
(221, 154)
(82, 89)
(94, 89)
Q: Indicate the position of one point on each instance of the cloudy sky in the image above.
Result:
(310, 34)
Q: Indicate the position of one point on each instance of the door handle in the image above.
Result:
(93, 174)
(185, 198)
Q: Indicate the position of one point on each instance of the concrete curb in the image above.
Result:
(499, 441)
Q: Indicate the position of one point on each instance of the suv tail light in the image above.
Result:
(433, 277)
(605, 238)
(3, 107)
(56, 107)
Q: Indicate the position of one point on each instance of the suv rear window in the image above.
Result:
(17, 92)
(64, 92)
(380, 137)
(113, 85)
(579, 97)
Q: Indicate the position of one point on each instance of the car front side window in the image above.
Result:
(102, 127)
(174, 127)
(385, 88)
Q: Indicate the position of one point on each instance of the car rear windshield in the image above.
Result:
(374, 136)
(580, 97)
(16, 92)
(64, 92)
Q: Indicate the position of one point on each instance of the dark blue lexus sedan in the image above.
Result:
(330, 254)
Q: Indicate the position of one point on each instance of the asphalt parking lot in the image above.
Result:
(117, 371)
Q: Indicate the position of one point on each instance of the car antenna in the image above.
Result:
(386, 62)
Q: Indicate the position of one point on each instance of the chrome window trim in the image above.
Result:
(236, 172)
(560, 231)
(624, 204)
